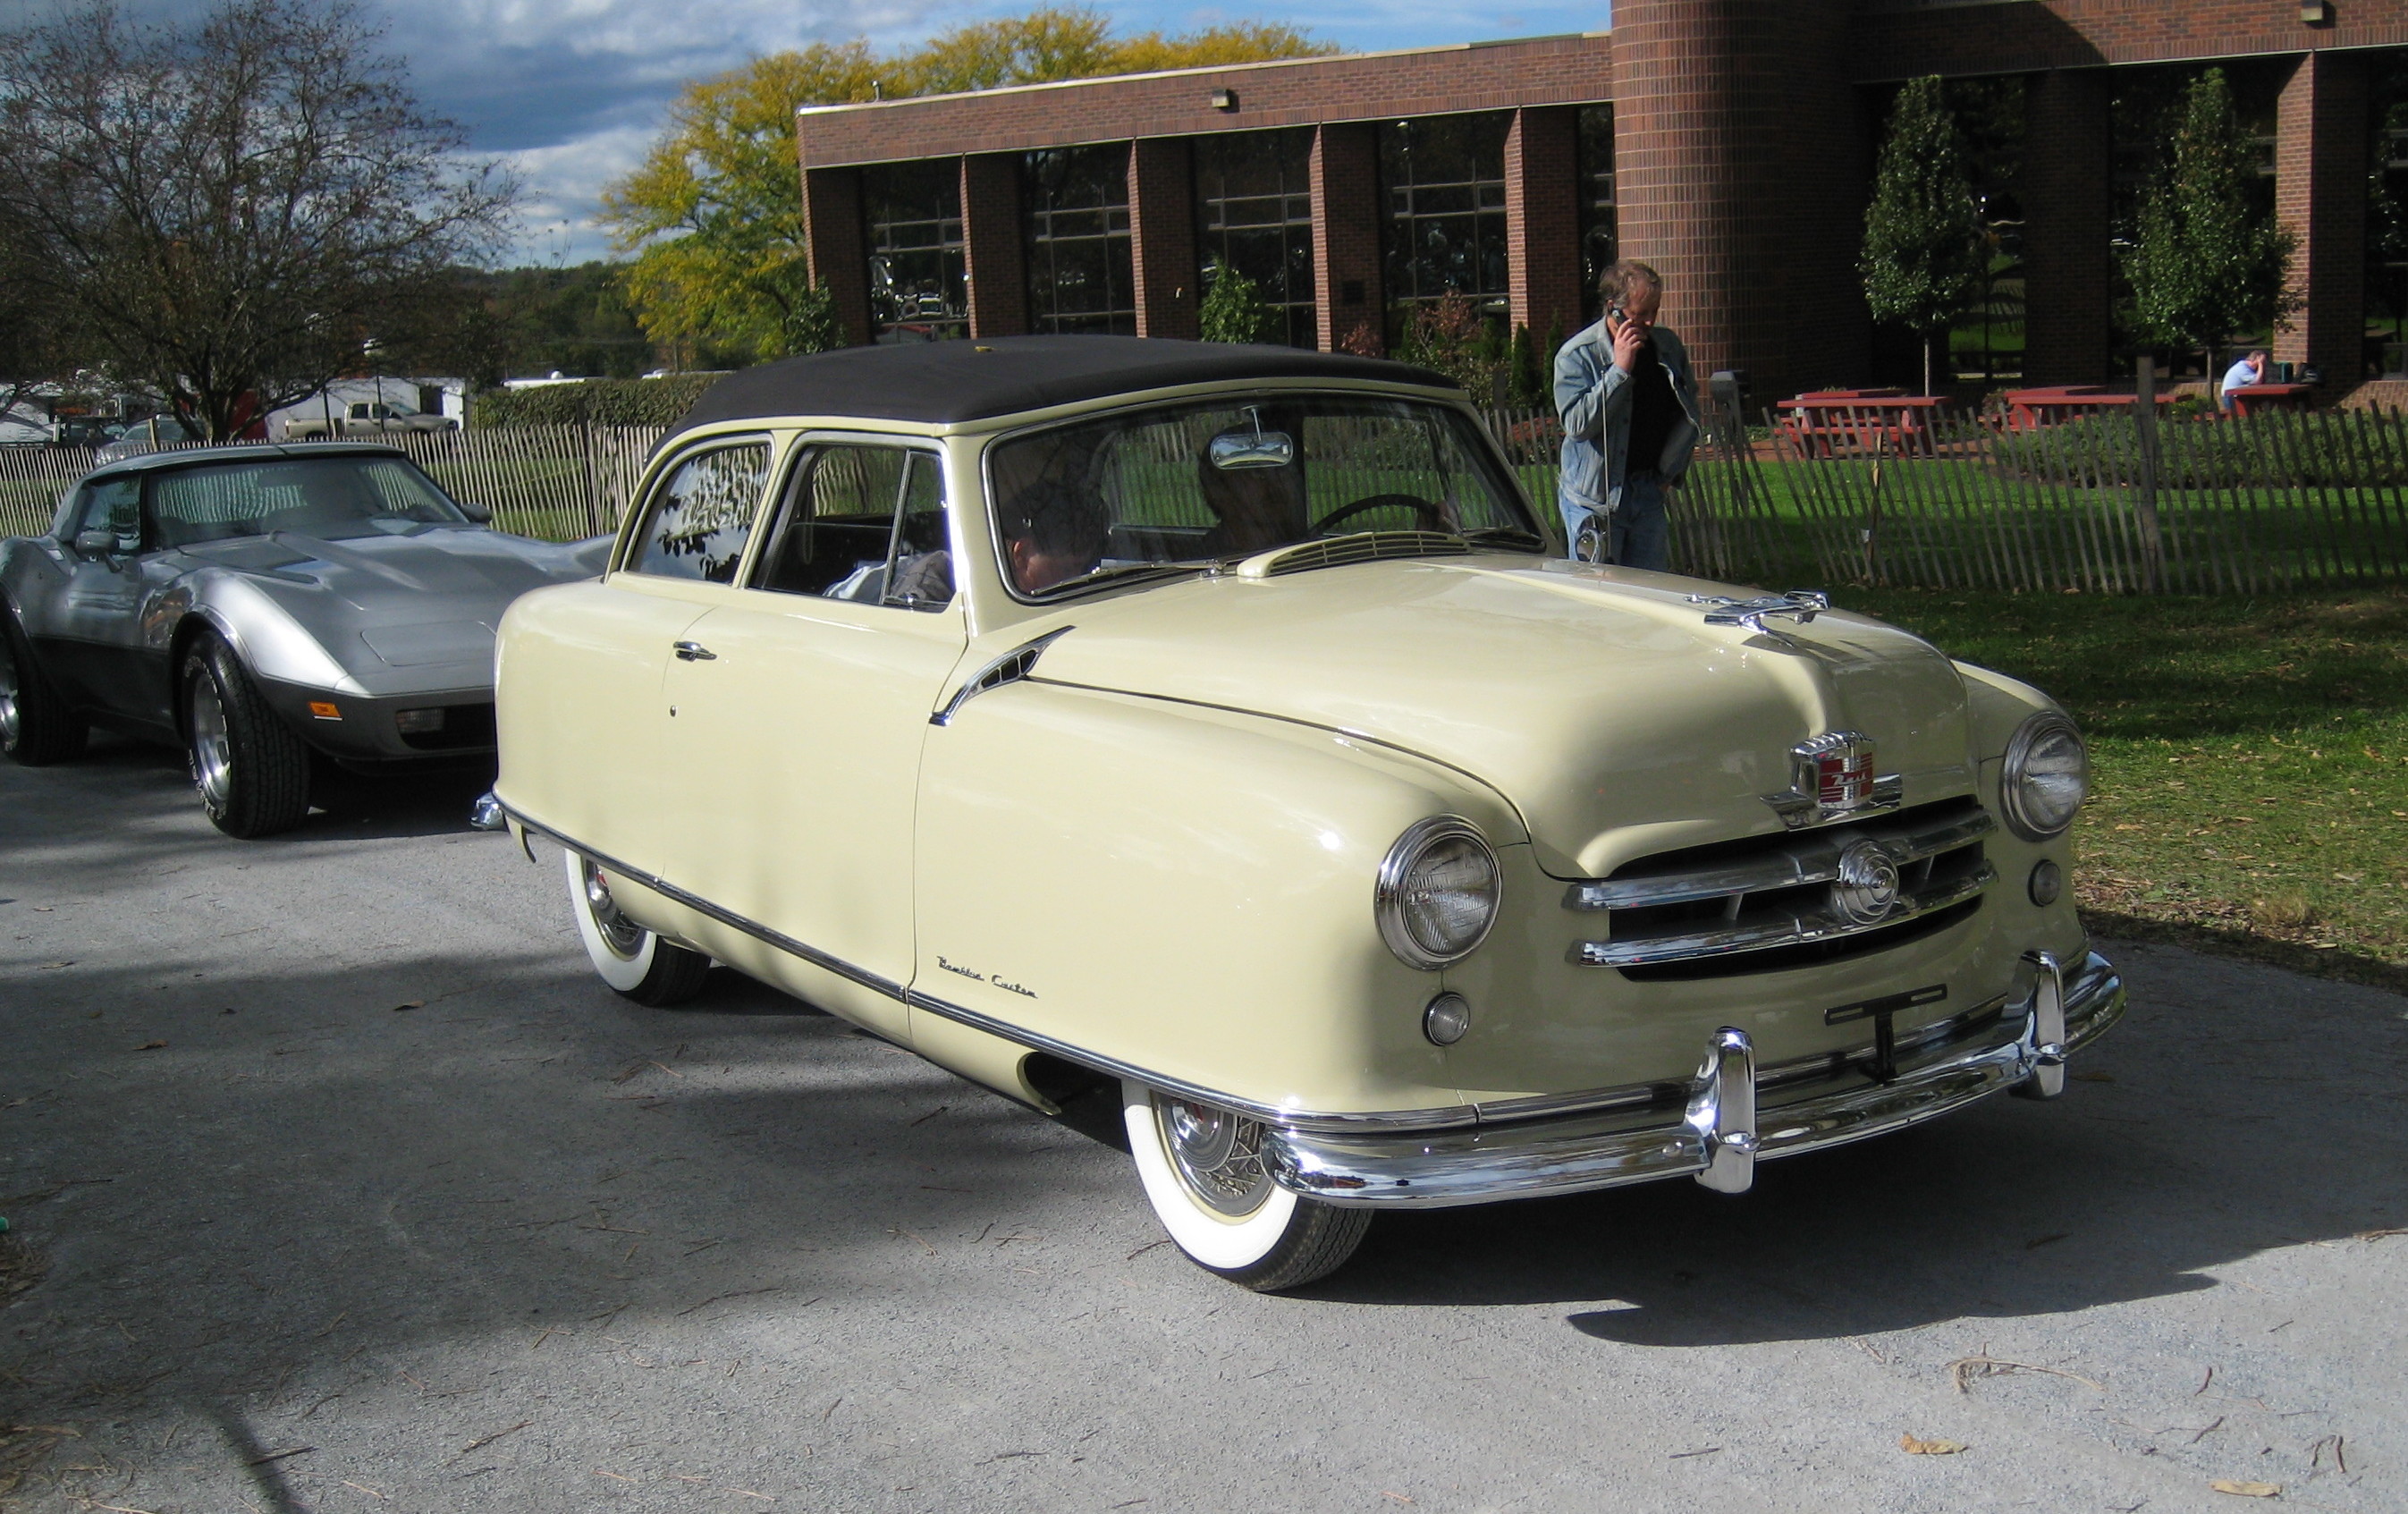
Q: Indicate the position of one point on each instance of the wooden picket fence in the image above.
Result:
(2105, 505)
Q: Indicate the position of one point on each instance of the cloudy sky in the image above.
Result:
(569, 92)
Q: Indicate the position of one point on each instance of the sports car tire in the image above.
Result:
(36, 729)
(252, 772)
(1209, 1190)
(629, 958)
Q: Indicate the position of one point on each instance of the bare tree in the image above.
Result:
(228, 212)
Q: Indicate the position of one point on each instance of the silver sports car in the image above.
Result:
(268, 608)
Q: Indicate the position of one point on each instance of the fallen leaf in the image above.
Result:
(2035, 1244)
(410, 1003)
(52, 967)
(2247, 1490)
(2092, 1077)
(1929, 1448)
(152, 1045)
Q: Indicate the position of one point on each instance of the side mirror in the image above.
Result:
(482, 514)
(95, 542)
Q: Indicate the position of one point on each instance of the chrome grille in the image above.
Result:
(1777, 900)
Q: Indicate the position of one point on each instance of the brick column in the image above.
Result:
(2069, 266)
(833, 245)
(1162, 236)
(1738, 157)
(991, 244)
(1345, 176)
(1542, 255)
(2320, 142)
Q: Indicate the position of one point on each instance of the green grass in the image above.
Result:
(2250, 780)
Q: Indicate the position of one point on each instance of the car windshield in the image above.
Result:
(1184, 486)
(325, 497)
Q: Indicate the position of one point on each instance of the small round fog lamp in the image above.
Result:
(1446, 1019)
(2047, 882)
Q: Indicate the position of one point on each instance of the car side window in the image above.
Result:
(700, 517)
(864, 524)
(115, 506)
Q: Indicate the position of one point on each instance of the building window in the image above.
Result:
(1081, 278)
(1600, 228)
(1254, 213)
(1445, 179)
(919, 286)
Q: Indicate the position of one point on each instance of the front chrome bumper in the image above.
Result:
(1721, 1133)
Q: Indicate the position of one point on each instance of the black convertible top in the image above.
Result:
(939, 382)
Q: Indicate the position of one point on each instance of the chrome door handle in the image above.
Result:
(695, 652)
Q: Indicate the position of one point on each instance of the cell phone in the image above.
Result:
(1618, 313)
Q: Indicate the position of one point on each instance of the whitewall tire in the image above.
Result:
(1208, 1188)
(629, 958)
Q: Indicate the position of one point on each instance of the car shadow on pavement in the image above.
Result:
(2213, 1123)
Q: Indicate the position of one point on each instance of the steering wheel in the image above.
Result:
(1427, 516)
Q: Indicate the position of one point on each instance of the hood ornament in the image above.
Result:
(1802, 605)
(1834, 777)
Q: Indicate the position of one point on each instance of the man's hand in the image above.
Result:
(1629, 336)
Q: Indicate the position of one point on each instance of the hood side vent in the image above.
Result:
(1360, 547)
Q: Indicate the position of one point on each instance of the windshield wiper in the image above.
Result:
(1506, 533)
(1119, 572)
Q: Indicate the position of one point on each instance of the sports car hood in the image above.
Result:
(1599, 703)
(407, 610)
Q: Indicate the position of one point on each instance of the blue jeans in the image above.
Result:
(1637, 535)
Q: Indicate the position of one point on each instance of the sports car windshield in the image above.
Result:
(1185, 487)
(323, 496)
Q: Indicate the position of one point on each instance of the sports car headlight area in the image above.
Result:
(2047, 773)
(1438, 892)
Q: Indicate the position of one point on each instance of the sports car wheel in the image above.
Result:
(630, 958)
(253, 773)
(1203, 1171)
(36, 727)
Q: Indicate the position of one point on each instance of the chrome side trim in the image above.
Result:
(1798, 930)
(1010, 668)
(1808, 859)
(1578, 1153)
(1448, 1118)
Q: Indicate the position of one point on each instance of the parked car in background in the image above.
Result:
(269, 609)
(365, 418)
(1217, 726)
(154, 434)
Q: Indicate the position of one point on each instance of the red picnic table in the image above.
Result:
(2029, 410)
(1822, 422)
(2258, 398)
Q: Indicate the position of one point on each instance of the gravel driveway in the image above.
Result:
(357, 1192)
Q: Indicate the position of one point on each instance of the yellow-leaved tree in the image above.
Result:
(714, 213)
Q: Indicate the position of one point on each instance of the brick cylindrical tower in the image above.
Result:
(1740, 168)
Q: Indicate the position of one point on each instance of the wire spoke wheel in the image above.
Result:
(630, 958)
(1205, 1172)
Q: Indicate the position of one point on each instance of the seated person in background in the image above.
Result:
(922, 578)
(2250, 369)
(1052, 533)
(1257, 508)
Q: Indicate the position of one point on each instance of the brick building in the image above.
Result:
(1728, 142)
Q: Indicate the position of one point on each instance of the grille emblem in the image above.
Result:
(1866, 888)
(1835, 776)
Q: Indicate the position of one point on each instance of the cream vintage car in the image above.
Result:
(1218, 722)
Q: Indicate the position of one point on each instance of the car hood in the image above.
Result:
(401, 612)
(1597, 701)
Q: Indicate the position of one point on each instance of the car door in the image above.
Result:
(94, 644)
(800, 707)
(584, 723)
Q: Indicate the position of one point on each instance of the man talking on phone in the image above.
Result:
(1629, 407)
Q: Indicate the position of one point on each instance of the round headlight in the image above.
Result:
(2046, 775)
(1438, 892)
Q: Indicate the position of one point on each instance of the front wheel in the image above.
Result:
(1203, 1171)
(630, 958)
(252, 772)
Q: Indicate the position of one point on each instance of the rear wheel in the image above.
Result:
(36, 729)
(1203, 1171)
(252, 772)
(630, 958)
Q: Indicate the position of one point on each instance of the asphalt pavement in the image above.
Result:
(348, 1187)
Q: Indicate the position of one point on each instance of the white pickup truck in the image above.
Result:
(365, 418)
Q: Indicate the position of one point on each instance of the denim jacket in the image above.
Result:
(1593, 398)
